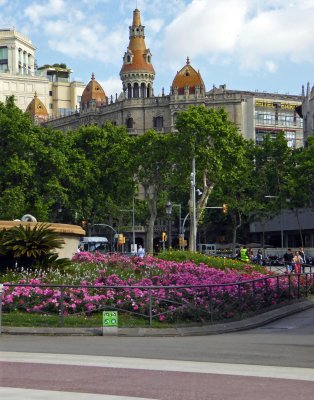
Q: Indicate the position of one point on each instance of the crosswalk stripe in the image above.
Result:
(265, 371)
(7, 393)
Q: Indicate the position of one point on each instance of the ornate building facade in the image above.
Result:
(137, 108)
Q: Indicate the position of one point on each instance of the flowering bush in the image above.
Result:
(172, 290)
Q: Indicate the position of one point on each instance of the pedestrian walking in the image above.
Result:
(259, 257)
(244, 254)
(303, 259)
(140, 251)
(288, 260)
(250, 254)
(297, 262)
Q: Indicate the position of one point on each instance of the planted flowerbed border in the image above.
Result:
(151, 288)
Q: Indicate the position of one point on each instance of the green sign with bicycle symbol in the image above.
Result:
(110, 318)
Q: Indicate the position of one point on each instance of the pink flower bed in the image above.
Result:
(159, 286)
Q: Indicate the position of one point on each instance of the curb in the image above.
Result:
(248, 323)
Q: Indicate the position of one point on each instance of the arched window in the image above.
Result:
(136, 91)
(148, 91)
(128, 58)
(143, 91)
(129, 123)
(129, 91)
(158, 122)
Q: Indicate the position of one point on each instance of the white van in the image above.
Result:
(207, 248)
(95, 243)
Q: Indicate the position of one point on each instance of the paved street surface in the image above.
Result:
(270, 362)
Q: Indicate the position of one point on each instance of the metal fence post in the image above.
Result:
(1, 290)
(240, 300)
(211, 304)
(62, 305)
(150, 308)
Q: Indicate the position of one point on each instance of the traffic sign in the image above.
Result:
(110, 318)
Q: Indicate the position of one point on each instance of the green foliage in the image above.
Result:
(211, 261)
(101, 178)
(32, 247)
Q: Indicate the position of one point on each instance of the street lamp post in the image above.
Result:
(169, 212)
(180, 230)
(193, 192)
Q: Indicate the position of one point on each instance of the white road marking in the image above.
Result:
(265, 371)
(31, 394)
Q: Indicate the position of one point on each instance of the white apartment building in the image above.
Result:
(19, 76)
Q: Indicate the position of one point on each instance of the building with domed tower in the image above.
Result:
(93, 95)
(138, 109)
(37, 110)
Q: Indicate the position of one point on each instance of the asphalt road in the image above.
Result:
(286, 342)
(266, 363)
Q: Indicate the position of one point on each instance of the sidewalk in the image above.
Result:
(244, 324)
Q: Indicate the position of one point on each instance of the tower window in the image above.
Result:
(128, 58)
(158, 122)
(129, 123)
(136, 92)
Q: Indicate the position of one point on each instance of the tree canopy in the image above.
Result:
(93, 172)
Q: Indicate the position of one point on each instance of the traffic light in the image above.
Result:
(225, 208)
(121, 239)
(163, 237)
(84, 224)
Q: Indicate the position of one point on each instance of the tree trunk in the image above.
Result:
(150, 195)
(236, 226)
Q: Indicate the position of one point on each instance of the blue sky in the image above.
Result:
(264, 45)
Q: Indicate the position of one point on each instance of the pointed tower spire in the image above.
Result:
(137, 72)
(136, 17)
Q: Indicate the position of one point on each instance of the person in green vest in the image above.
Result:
(244, 254)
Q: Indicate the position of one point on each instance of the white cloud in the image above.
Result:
(36, 12)
(89, 42)
(206, 26)
(271, 66)
(154, 25)
(253, 35)
(111, 86)
(277, 36)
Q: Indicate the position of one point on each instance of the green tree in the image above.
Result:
(217, 146)
(32, 165)
(101, 177)
(273, 162)
(153, 160)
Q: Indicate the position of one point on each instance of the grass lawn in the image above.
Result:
(125, 320)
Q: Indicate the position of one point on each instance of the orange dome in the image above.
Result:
(188, 77)
(138, 57)
(94, 91)
(37, 109)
